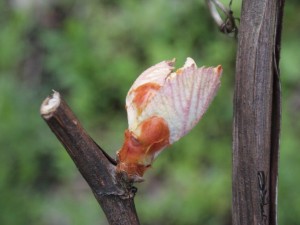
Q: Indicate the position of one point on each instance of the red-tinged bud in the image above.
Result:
(139, 151)
(162, 106)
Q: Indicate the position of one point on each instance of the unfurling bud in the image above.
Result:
(162, 106)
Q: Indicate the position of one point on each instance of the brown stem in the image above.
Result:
(113, 193)
(257, 114)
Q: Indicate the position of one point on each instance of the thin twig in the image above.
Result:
(114, 194)
(228, 25)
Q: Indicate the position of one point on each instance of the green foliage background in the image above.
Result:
(91, 52)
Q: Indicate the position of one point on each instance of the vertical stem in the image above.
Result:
(257, 114)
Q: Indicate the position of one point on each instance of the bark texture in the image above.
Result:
(257, 114)
(113, 192)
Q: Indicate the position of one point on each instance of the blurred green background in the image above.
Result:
(91, 52)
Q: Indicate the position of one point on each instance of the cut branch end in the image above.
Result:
(50, 104)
